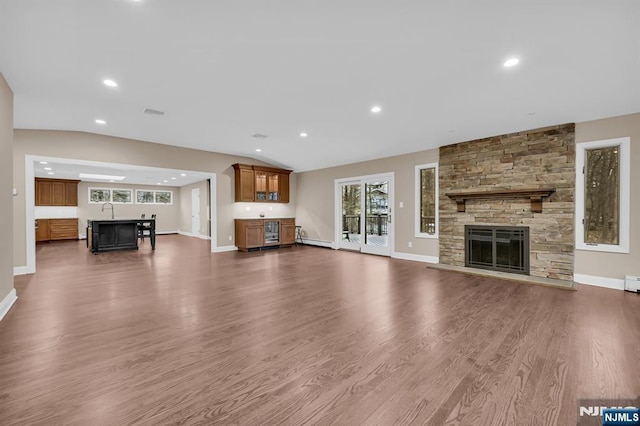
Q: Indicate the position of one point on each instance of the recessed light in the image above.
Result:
(50, 173)
(44, 162)
(99, 121)
(376, 109)
(183, 174)
(112, 181)
(47, 168)
(110, 83)
(100, 177)
(511, 62)
(158, 183)
(258, 150)
(165, 181)
(303, 135)
(173, 178)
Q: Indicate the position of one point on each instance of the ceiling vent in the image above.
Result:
(259, 136)
(153, 111)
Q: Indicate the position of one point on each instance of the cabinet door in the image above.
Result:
(254, 236)
(274, 186)
(70, 194)
(247, 192)
(43, 194)
(260, 185)
(284, 187)
(42, 232)
(58, 193)
(288, 232)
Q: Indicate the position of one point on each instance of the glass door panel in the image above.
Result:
(271, 232)
(261, 186)
(376, 216)
(273, 186)
(351, 216)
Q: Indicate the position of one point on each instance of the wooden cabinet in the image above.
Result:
(56, 192)
(259, 233)
(261, 184)
(287, 231)
(56, 229)
(42, 230)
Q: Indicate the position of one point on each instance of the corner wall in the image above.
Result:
(615, 265)
(7, 200)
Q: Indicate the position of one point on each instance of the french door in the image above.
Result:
(364, 214)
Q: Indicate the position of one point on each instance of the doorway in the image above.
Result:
(364, 214)
(195, 211)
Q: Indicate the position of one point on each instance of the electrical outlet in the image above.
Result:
(409, 244)
(401, 204)
(230, 237)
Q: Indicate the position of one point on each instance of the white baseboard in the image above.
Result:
(319, 243)
(8, 302)
(190, 234)
(222, 249)
(22, 270)
(613, 283)
(415, 257)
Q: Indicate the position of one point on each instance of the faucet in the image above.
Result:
(103, 207)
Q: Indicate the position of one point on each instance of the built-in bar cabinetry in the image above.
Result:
(56, 229)
(264, 233)
(261, 184)
(56, 192)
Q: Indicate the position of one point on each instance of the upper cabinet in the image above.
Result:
(261, 184)
(56, 192)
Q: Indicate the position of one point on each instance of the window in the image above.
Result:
(109, 195)
(153, 197)
(603, 195)
(426, 200)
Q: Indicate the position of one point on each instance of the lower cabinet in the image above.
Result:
(56, 229)
(259, 233)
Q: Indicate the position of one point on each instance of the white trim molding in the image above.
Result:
(625, 194)
(418, 200)
(606, 282)
(190, 234)
(415, 257)
(8, 302)
(21, 270)
(223, 249)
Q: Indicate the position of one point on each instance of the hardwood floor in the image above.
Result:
(302, 336)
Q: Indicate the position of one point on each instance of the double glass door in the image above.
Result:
(364, 216)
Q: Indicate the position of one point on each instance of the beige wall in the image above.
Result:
(615, 265)
(92, 147)
(6, 187)
(185, 208)
(168, 216)
(315, 199)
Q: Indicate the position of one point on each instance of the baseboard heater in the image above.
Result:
(632, 284)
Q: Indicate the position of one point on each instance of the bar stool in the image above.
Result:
(144, 226)
(299, 235)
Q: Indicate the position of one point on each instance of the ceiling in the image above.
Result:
(133, 175)
(225, 70)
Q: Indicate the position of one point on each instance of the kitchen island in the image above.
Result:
(118, 234)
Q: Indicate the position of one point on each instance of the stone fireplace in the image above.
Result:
(523, 180)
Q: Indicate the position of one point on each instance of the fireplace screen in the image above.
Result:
(498, 248)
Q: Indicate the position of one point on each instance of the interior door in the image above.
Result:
(376, 216)
(195, 211)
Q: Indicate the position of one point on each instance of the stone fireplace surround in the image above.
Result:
(528, 160)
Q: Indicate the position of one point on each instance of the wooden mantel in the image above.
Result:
(535, 195)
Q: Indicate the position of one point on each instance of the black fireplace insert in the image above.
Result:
(497, 248)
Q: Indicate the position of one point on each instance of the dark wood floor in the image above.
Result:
(302, 336)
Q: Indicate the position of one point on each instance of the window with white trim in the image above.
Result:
(144, 196)
(110, 195)
(426, 203)
(603, 195)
